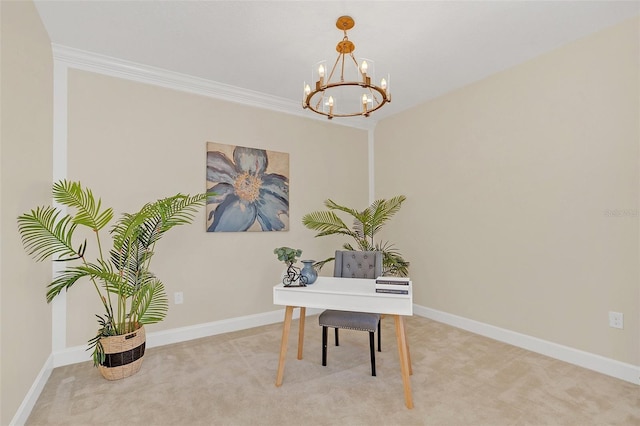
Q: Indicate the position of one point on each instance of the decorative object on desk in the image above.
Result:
(366, 224)
(308, 272)
(252, 186)
(392, 285)
(292, 277)
(122, 274)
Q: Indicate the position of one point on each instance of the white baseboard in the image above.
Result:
(184, 334)
(32, 396)
(608, 366)
(78, 354)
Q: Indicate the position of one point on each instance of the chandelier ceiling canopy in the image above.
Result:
(348, 89)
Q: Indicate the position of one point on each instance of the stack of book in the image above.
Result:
(394, 285)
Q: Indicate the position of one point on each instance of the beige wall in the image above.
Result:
(25, 179)
(511, 182)
(132, 143)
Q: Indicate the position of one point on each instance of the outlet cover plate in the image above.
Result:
(616, 320)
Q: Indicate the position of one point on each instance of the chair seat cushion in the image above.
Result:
(352, 320)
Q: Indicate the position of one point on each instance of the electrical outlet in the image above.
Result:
(178, 297)
(616, 320)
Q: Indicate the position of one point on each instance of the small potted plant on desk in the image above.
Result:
(295, 277)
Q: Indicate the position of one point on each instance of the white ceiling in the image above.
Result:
(428, 47)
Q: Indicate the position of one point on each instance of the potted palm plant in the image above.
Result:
(366, 224)
(131, 295)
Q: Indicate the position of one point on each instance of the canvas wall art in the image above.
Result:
(251, 189)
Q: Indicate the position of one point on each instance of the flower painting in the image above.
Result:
(251, 189)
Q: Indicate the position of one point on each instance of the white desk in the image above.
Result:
(345, 294)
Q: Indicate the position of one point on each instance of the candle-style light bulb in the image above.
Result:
(330, 101)
(383, 84)
(305, 94)
(363, 69)
(320, 81)
(364, 99)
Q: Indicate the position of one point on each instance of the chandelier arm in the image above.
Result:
(373, 95)
(334, 68)
(355, 61)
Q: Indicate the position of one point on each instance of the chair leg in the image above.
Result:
(372, 349)
(324, 346)
(379, 337)
(336, 337)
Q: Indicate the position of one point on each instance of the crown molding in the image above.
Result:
(120, 68)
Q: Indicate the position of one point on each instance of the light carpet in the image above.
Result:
(459, 378)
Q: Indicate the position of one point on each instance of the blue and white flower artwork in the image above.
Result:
(251, 189)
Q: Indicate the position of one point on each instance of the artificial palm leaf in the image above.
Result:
(320, 264)
(359, 229)
(366, 224)
(383, 210)
(327, 222)
(43, 235)
(126, 229)
(72, 194)
(151, 230)
(393, 262)
(67, 278)
(154, 219)
(104, 330)
(130, 262)
(179, 209)
(332, 205)
(151, 303)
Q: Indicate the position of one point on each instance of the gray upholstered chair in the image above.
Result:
(353, 264)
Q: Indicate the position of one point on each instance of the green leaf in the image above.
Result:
(43, 235)
(327, 222)
(366, 224)
(383, 210)
(65, 280)
(150, 303)
(320, 264)
(154, 219)
(72, 194)
(332, 205)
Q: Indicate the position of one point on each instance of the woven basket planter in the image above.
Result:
(124, 354)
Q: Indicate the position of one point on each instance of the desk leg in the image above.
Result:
(303, 313)
(405, 366)
(406, 342)
(288, 314)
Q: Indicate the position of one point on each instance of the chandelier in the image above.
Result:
(333, 95)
